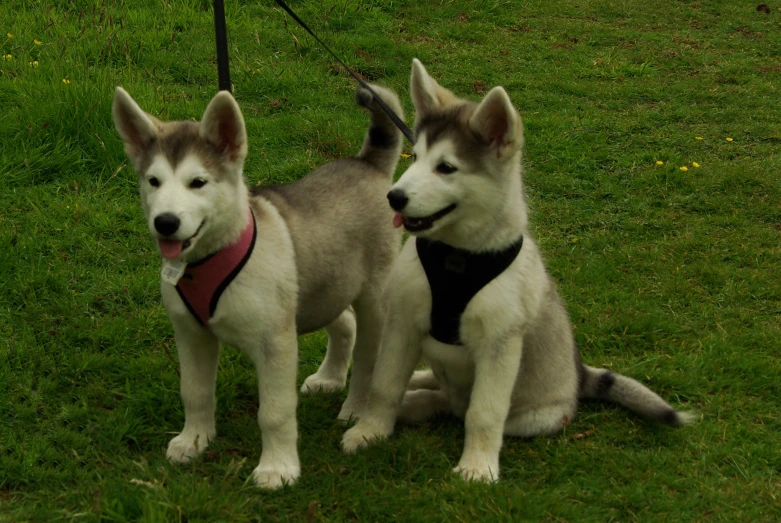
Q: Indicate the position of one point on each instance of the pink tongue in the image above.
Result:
(398, 220)
(170, 248)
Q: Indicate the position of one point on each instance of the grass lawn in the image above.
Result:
(653, 174)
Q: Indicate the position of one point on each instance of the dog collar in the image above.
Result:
(455, 276)
(204, 281)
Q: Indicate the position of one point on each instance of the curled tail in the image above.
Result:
(383, 141)
(605, 385)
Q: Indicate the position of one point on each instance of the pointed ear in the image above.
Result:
(497, 122)
(427, 94)
(134, 126)
(222, 126)
(423, 89)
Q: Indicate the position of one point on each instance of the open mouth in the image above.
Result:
(421, 224)
(171, 249)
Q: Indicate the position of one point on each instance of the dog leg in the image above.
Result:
(276, 365)
(332, 374)
(198, 352)
(419, 405)
(400, 353)
(370, 315)
(423, 379)
(496, 370)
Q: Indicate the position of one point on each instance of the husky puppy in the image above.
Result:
(470, 294)
(262, 266)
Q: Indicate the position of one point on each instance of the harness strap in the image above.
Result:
(204, 281)
(455, 276)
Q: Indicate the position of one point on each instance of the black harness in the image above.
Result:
(455, 276)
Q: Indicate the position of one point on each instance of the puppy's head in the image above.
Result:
(464, 154)
(190, 173)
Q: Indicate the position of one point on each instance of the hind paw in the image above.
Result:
(350, 410)
(362, 435)
(321, 384)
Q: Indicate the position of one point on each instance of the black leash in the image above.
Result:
(221, 34)
(223, 71)
(393, 116)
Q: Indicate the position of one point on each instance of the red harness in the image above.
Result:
(204, 281)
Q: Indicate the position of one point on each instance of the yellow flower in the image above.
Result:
(8, 57)
(575, 239)
(66, 81)
(659, 162)
(405, 156)
(34, 63)
(698, 137)
(729, 139)
(37, 42)
(684, 168)
(9, 35)
(695, 164)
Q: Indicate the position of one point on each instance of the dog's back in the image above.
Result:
(341, 208)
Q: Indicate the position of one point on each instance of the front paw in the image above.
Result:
(187, 446)
(322, 384)
(362, 435)
(478, 469)
(276, 475)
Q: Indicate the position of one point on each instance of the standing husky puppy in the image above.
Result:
(260, 268)
(471, 296)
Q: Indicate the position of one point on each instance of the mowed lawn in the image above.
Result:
(652, 172)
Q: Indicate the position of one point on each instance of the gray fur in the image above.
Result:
(605, 385)
(383, 141)
(518, 372)
(321, 258)
(341, 228)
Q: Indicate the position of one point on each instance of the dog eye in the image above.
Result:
(197, 183)
(154, 182)
(445, 168)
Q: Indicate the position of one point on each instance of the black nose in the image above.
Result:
(398, 200)
(167, 224)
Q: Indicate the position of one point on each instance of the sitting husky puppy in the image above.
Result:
(470, 294)
(255, 269)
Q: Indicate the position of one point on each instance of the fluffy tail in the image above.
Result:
(383, 141)
(605, 385)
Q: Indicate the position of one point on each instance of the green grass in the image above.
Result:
(670, 276)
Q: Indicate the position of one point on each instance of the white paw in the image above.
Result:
(187, 446)
(477, 470)
(362, 435)
(350, 410)
(322, 384)
(276, 475)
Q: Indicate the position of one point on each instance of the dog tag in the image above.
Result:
(172, 271)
